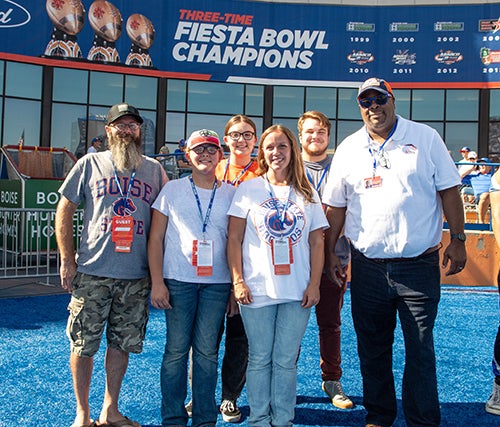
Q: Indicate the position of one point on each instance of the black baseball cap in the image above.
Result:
(123, 109)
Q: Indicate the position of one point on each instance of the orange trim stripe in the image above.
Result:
(93, 66)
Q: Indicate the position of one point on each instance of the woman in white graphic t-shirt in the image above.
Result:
(275, 255)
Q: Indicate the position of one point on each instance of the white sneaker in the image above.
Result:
(493, 403)
(230, 411)
(336, 393)
(189, 408)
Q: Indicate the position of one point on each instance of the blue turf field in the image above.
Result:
(36, 388)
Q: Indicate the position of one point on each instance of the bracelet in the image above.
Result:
(238, 282)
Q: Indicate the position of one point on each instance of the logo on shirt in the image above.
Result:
(124, 206)
(271, 225)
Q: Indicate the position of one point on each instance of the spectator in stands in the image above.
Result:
(464, 151)
(95, 145)
(164, 149)
(109, 277)
(493, 403)
(191, 280)
(180, 155)
(467, 171)
(481, 186)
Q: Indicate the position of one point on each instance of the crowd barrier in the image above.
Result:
(27, 243)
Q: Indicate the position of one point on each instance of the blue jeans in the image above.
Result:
(193, 321)
(379, 291)
(274, 334)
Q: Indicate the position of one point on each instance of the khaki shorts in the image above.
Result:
(97, 301)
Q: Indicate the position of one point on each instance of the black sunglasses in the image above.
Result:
(379, 100)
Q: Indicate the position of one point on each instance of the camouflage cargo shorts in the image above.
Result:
(97, 301)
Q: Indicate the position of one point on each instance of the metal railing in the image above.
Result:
(28, 245)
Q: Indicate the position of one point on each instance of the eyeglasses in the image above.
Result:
(211, 149)
(379, 100)
(247, 136)
(122, 127)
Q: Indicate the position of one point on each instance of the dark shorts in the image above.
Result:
(97, 301)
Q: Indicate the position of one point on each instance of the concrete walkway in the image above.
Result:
(30, 287)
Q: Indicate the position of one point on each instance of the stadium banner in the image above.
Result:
(262, 42)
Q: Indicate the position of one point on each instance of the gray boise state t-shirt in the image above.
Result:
(92, 182)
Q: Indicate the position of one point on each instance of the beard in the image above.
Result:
(126, 152)
(316, 151)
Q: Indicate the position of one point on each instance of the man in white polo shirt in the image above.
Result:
(389, 185)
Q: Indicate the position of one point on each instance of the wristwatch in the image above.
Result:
(460, 236)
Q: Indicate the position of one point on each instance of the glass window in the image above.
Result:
(148, 132)
(462, 104)
(141, 92)
(176, 95)
(106, 88)
(2, 64)
(439, 126)
(70, 85)
(333, 135)
(259, 122)
(289, 123)
(254, 100)
(206, 121)
(210, 97)
(175, 126)
(459, 135)
(23, 80)
(495, 104)
(69, 128)
(403, 100)
(322, 99)
(98, 113)
(346, 128)
(494, 138)
(348, 104)
(428, 105)
(288, 101)
(22, 117)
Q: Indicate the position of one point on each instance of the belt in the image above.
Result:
(403, 259)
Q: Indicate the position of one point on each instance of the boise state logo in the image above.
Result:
(269, 225)
(124, 206)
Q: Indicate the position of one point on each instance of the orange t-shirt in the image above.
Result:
(234, 174)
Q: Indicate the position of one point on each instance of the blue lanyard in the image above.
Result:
(129, 184)
(282, 214)
(381, 147)
(310, 178)
(236, 180)
(198, 202)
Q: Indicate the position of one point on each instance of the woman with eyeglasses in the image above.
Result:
(190, 279)
(275, 254)
(240, 135)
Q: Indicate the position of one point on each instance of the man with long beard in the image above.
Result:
(108, 277)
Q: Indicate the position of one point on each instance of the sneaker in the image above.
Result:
(230, 411)
(189, 408)
(335, 392)
(493, 403)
